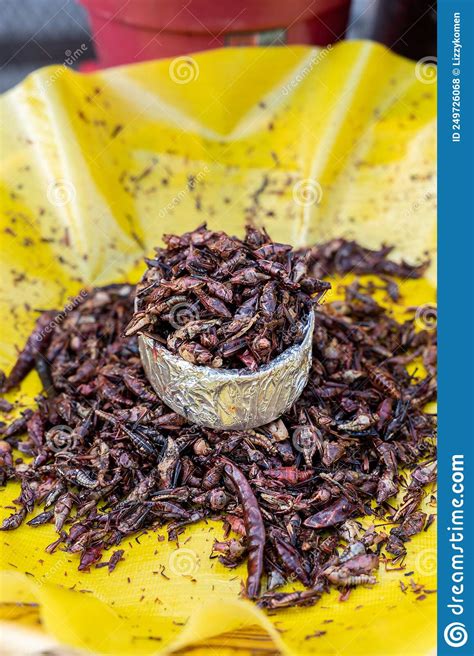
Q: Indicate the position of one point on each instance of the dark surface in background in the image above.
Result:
(36, 33)
(407, 27)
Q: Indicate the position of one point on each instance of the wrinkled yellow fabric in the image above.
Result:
(95, 168)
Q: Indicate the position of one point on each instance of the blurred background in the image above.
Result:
(91, 34)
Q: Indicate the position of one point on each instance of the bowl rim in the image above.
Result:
(223, 373)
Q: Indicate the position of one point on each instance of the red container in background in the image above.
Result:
(127, 32)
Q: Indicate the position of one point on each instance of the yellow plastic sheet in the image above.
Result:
(314, 144)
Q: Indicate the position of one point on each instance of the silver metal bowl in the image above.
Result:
(228, 399)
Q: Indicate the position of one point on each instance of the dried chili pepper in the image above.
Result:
(254, 526)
